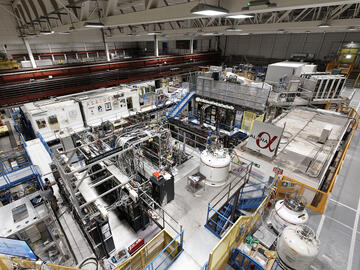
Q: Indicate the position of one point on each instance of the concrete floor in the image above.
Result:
(339, 228)
(5, 144)
(190, 211)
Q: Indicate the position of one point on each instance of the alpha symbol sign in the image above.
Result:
(264, 138)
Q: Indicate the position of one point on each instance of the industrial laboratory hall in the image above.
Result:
(179, 134)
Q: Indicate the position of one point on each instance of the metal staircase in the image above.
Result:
(223, 218)
(180, 106)
(250, 203)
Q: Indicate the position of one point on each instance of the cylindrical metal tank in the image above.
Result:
(215, 165)
(288, 212)
(297, 247)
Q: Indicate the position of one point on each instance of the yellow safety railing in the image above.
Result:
(248, 120)
(220, 255)
(316, 199)
(352, 113)
(147, 253)
(136, 262)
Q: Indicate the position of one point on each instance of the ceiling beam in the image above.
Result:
(266, 28)
(85, 10)
(182, 11)
(111, 6)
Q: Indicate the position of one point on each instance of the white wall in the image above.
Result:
(202, 46)
(63, 43)
(282, 46)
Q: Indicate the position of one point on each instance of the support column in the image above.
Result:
(4, 47)
(87, 54)
(105, 45)
(5, 50)
(32, 60)
(107, 52)
(156, 46)
(52, 56)
(191, 46)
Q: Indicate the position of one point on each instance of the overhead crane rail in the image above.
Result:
(13, 93)
(75, 69)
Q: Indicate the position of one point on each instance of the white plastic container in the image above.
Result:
(297, 247)
(215, 166)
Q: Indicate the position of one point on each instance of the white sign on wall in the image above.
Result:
(264, 138)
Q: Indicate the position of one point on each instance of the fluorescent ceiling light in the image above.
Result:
(46, 32)
(208, 34)
(232, 29)
(154, 33)
(240, 16)
(94, 24)
(324, 25)
(209, 10)
(260, 3)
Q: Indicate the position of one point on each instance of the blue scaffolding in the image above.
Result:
(246, 262)
(251, 195)
(165, 258)
(24, 171)
(233, 130)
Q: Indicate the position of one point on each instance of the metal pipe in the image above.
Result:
(102, 195)
(102, 181)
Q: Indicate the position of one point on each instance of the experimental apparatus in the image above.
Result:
(140, 160)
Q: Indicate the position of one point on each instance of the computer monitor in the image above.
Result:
(18, 248)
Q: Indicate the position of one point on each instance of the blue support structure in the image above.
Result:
(234, 130)
(26, 126)
(11, 178)
(181, 105)
(159, 262)
(217, 227)
(24, 170)
(223, 218)
(246, 262)
(250, 203)
(217, 221)
(205, 266)
(45, 144)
